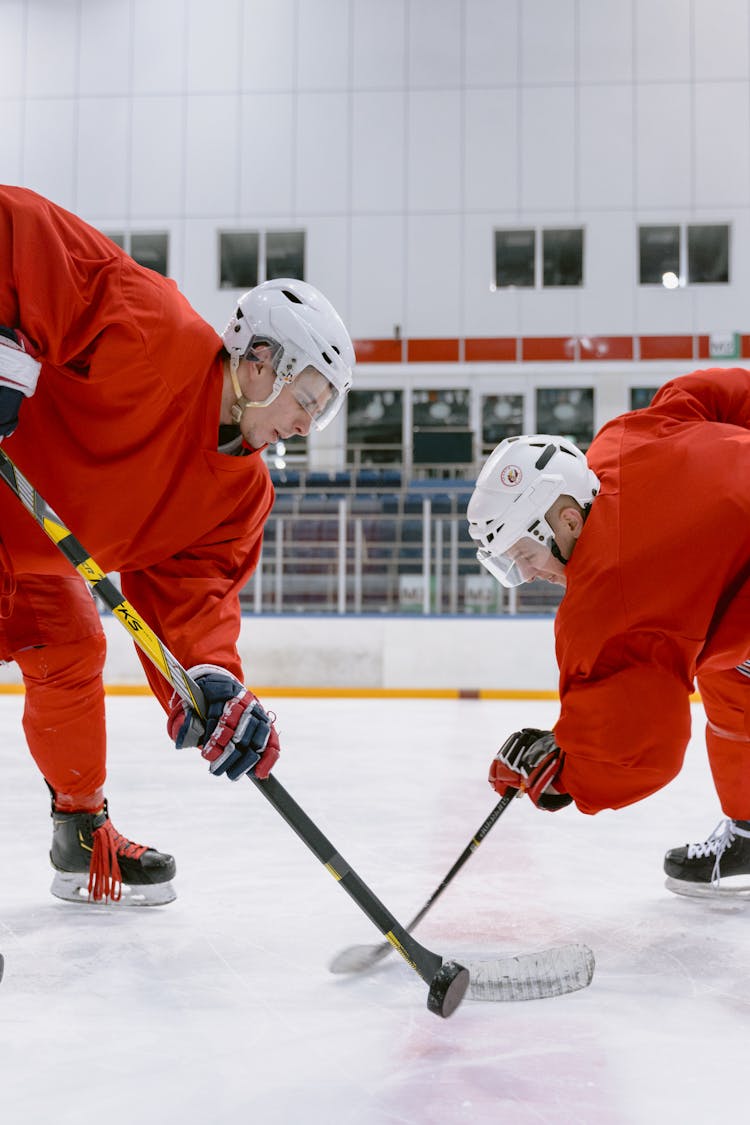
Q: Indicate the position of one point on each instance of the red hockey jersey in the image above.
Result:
(658, 587)
(121, 435)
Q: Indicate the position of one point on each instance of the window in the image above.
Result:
(517, 264)
(567, 411)
(440, 421)
(502, 417)
(238, 259)
(514, 258)
(247, 257)
(285, 253)
(708, 254)
(562, 255)
(375, 426)
(148, 248)
(641, 396)
(693, 254)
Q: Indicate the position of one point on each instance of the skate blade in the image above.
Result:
(73, 887)
(723, 892)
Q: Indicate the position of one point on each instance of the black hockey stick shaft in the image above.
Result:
(468, 851)
(424, 962)
(359, 958)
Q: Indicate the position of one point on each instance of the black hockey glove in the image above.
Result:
(530, 760)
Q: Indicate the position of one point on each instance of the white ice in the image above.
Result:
(219, 1007)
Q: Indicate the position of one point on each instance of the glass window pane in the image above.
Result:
(708, 254)
(641, 396)
(562, 253)
(238, 255)
(151, 249)
(440, 408)
(514, 258)
(502, 417)
(659, 253)
(285, 254)
(566, 411)
(375, 426)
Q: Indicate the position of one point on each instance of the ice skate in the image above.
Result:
(94, 863)
(718, 867)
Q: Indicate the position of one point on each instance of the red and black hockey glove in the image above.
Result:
(237, 736)
(530, 761)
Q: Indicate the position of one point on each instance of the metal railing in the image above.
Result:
(392, 553)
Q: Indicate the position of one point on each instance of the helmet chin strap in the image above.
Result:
(242, 402)
(557, 553)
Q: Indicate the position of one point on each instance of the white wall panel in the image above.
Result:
(269, 44)
(49, 145)
(659, 311)
(323, 36)
(549, 312)
(491, 172)
(605, 40)
(378, 151)
(13, 67)
(52, 48)
(157, 174)
(212, 153)
(266, 149)
(106, 39)
(434, 281)
(158, 46)
(606, 146)
(200, 270)
(722, 165)
(323, 153)
(663, 146)
(12, 112)
(378, 51)
(548, 40)
(548, 147)
(720, 39)
(377, 275)
(434, 150)
(103, 157)
(491, 42)
(607, 299)
(434, 43)
(328, 258)
(662, 40)
(214, 42)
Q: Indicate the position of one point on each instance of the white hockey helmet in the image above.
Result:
(521, 480)
(307, 339)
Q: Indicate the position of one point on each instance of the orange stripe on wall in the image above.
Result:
(539, 349)
(666, 347)
(432, 351)
(503, 349)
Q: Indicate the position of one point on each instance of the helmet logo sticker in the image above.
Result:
(511, 476)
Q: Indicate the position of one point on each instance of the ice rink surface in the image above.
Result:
(219, 1007)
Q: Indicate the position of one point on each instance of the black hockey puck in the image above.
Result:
(448, 989)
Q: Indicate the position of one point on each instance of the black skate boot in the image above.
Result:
(94, 863)
(702, 869)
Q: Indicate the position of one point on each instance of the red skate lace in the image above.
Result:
(105, 877)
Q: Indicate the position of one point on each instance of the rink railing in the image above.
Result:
(334, 557)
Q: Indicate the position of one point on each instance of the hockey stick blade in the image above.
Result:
(532, 976)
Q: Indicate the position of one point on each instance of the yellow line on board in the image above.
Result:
(350, 692)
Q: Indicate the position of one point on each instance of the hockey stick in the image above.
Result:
(447, 980)
(360, 958)
(527, 976)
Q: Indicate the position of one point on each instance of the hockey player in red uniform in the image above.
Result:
(649, 532)
(141, 427)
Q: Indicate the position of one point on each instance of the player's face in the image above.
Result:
(535, 560)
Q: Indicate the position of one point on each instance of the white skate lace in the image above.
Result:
(717, 843)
